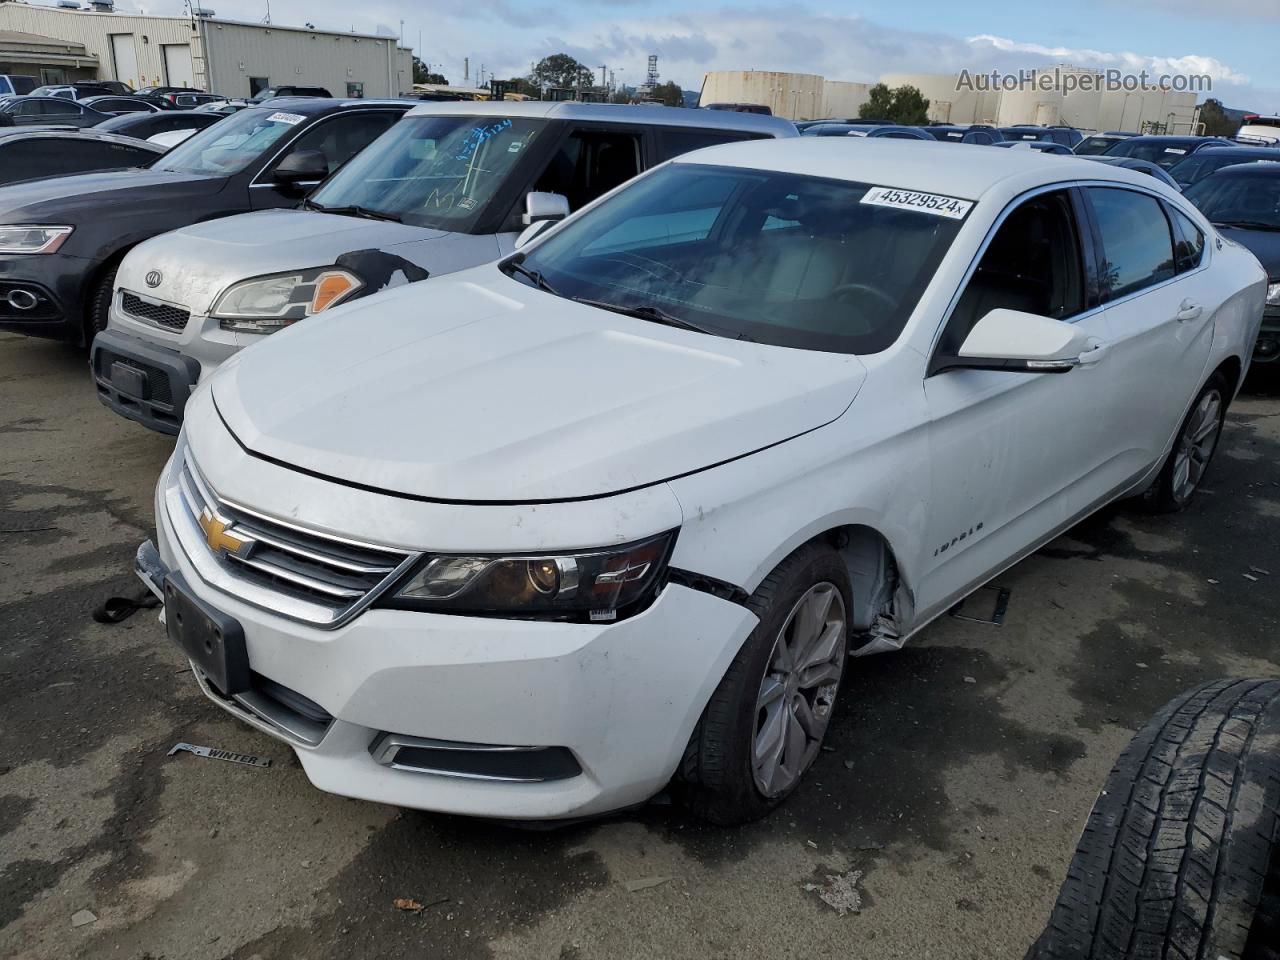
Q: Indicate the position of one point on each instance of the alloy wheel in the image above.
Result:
(1196, 445)
(798, 689)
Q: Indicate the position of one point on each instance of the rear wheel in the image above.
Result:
(1192, 452)
(765, 723)
(1180, 857)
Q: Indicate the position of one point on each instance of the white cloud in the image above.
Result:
(1126, 61)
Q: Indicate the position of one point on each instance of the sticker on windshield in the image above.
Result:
(289, 118)
(1174, 150)
(939, 206)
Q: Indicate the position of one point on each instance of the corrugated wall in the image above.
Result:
(236, 51)
(94, 30)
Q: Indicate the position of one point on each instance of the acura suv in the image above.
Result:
(539, 538)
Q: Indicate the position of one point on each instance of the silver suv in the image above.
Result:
(448, 187)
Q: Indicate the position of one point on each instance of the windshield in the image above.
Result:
(231, 145)
(433, 171)
(1246, 200)
(1198, 166)
(1091, 146)
(1163, 152)
(780, 258)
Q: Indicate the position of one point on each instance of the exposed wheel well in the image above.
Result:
(1230, 368)
(873, 572)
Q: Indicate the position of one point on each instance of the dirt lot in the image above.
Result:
(960, 771)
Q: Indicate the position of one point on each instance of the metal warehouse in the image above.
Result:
(229, 57)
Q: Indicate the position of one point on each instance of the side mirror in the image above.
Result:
(1017, 341)
(531, 231)
(545, 206)
(301, 166)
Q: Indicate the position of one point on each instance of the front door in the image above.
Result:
(1160, 305)
(1014, 457)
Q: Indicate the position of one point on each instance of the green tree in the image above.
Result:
(1216, 121)
(669, 93)
(905, 104)
(422, 74)
(560, 70)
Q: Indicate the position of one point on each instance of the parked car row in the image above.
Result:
(809, 395)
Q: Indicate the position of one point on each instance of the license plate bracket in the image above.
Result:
(129, 380)
(213, 640)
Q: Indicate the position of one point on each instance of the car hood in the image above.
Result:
(477, 388)
(68, 194)
(1263, 244)
(200, 261)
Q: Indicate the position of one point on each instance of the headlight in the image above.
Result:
(1273, 294)
(268, 304)
(593, 585)
(28, 239)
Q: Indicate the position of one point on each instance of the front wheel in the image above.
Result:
(765, 723)
(1197, 441)
(99, 307)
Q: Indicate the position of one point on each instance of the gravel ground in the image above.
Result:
(959, 775)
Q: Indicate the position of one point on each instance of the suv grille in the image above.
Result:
(157, 314)
(283, 560)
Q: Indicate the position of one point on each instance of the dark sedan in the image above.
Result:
(1100, 143)
(952, 133)
(865, 130)
(1243, 202)
(1200, 164)
(1040, 146)
(43, 111)
(1067, 136)
(118, 105)
(1142, 166)
(61, 240)
(1164, 150)
(145, 125)
(33, 153)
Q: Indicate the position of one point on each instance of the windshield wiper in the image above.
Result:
(648, 312)
(352, 211)
(1247, 224)
(537, 279)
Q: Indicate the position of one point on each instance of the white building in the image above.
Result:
(69, 42)
(1065, 95)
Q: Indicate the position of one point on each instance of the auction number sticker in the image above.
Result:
(289, 118)
(936, 204)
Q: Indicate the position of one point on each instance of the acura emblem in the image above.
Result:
(154, 277)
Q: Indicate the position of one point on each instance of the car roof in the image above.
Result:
(72, 133)
(962, 170)
(1225, 151)
(1258, 168)
(1175, 138)
(612, 113)
(308, 106)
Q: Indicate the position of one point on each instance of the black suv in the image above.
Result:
(61, 240)
(274, 93)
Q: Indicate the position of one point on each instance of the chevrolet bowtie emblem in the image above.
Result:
(215, 534)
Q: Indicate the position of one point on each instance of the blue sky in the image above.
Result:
(848, 40)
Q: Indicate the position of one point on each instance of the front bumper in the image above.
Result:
(142, 381)
(1267, 347)
(620, 699)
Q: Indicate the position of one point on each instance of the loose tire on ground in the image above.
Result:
(1180, 857)
(716, 780)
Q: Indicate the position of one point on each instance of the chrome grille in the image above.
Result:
(152, 312)
(280, 560)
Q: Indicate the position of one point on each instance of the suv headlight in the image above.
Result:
(592, 585)
(1273, 294)
(22, 238)
(271, 303)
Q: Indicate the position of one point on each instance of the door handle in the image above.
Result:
(1097, 350)
(1188, 310)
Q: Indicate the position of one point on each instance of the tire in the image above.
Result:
(1167, 494)
(718, 777)
(1180, 857)
(99, 306)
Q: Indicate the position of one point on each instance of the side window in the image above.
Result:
(1188, 248)
(674, 141)
(99, 156)
(57, 108)
(1032, 264)
(341, 138)
(589, 164)
(1136, 244)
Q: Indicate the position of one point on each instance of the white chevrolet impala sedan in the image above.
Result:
(541, 538)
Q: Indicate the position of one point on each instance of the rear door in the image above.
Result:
(1160, 307)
